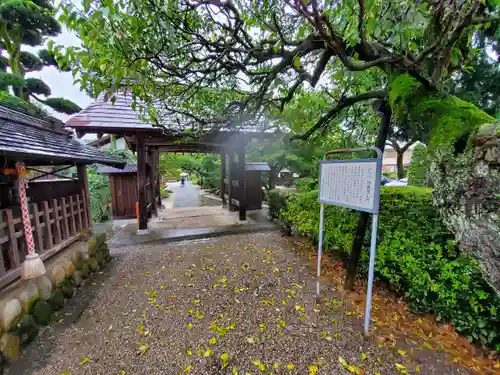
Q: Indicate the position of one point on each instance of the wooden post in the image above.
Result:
(49, 241)
(84, 188)
(72, 215)
(141, 184)
(152, 179)
(79, 212)
(57, 220)
(223, 177)
(65, 218)
(38, 228)
(230, 175)
(14, 249)
(158, 180)
(242, 182)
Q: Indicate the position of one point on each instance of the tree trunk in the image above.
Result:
(400, 164)
(357, 243)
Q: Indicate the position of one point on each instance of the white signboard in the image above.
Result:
(350, 183)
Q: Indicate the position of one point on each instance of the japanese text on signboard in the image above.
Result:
(350, 183)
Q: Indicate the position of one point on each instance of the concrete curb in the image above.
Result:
(204, 233)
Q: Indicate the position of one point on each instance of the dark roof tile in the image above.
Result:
(36, 141)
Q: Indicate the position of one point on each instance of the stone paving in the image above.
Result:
(240, 304)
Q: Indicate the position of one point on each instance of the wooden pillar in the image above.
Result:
(141, 185)
(155, 181)
(223, 177)
(83, 181)
(242, 182)
(230, 176)
(158, 180)
(152, 180)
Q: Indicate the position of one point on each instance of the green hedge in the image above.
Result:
(416, 256)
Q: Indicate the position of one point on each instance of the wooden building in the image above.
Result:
(59, 208)
(123, 187)
(118, 118)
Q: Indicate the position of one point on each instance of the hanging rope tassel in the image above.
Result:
(32, 266)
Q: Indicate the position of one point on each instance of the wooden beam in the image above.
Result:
(141, 183)
(223, 176)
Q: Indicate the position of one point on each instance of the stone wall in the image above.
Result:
(28, 305)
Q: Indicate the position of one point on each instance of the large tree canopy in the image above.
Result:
(225, 62)
(259, 54)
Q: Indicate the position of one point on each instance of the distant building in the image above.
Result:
(389, 160)
(104, 143)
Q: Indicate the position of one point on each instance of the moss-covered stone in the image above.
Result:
(10, 345)
(77, 278)
(93, 263)
(57, 275)
(42, 312)
(69, 268)
(99, 257)
(104, 249)
(56, 300)
(44, 286)
(29, 295)
(28, 330)
(10, 311)
(92, 246)
(77, 260)
(100, 238)
(66, 288)
(85, 271)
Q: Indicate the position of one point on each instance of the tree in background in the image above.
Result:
(205, 168)
(26, 22)
(400, 152)
(480, 83)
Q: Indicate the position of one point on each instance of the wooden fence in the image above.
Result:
(56, 223)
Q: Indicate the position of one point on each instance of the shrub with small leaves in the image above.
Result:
(416, 256)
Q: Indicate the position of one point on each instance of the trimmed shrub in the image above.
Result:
(416, 256)
(419, 167)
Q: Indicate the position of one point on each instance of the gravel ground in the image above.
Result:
(241, 304)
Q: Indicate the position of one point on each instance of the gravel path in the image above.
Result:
(241, 304)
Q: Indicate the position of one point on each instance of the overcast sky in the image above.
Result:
(61, 83)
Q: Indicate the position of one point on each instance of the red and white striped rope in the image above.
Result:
(21, 185)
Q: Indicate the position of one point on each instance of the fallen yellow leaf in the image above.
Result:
(84, 361)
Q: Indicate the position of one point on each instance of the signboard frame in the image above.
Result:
(378, 175)
(374, 211)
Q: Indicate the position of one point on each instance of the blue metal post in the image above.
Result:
(320, 246)
(373, 250)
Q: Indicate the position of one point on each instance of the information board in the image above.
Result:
(350, 183)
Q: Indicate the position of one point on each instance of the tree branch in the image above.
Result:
(361, 16)
(343, 103)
